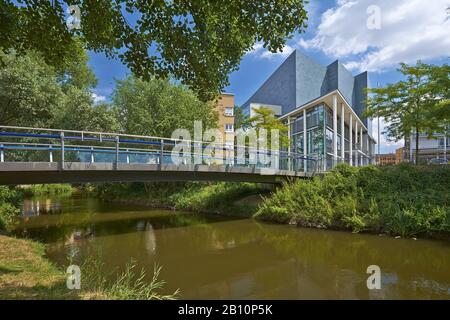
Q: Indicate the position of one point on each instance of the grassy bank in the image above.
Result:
(223, 198)
(25, 273)
(402, 200)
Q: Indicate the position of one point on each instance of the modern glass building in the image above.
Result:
(323, 109)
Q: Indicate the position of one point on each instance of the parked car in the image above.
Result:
(438, 161)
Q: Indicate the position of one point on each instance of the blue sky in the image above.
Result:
(372, 35)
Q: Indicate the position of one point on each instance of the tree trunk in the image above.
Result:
(417, 146)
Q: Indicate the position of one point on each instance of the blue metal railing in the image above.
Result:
(138, 149)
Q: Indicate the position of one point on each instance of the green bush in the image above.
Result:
(401, 200)
(9, 207)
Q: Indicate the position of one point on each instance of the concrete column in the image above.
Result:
(356, 144)
(305, 152)
(367, 147)
(361, 140)
(289, 146)
(350, 138)
(335, 150)
(342, 133)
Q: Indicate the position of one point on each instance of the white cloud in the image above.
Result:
(98, 98)
(409, 30)
(261, 52)
(386, 145)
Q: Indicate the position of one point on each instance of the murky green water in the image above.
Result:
(215, 257)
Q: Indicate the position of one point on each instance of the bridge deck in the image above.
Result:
(12, 173)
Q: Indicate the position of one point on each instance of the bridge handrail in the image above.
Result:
(101, 139)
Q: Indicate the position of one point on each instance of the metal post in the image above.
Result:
(161, 156)
(117, 153)
(62, 150)
(51, 153)
(128, 157)
(2, 153)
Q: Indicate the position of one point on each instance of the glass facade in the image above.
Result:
(319, 139)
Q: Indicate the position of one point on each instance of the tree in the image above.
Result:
(29, 92)
(414, 105)
(264, 118)
(158, 107)
(240, 119)
(34, 94)
(198, 42)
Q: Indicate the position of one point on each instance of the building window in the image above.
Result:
(297, 146)
(229, 127)
(229, 111)
(329, 140)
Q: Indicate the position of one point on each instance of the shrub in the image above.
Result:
(401, 200)
(9, 207)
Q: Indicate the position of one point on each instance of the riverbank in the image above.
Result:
(231, 199)
(402, 200)
(25, 273)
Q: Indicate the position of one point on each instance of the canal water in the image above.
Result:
(213, 257)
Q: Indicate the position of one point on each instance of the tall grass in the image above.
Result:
(128, 285)
(401, 200)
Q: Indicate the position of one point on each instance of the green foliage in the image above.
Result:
(158, 107)
(196, 42)
(34, 94)
(9, 207)
(29, 92)
(414, 105)
(216, 196)
(264, 118)
(401, 200)
(48, 189)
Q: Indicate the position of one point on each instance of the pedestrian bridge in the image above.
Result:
(41, 155)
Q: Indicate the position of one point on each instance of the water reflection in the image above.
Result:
(38, 206)
(215, 257)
